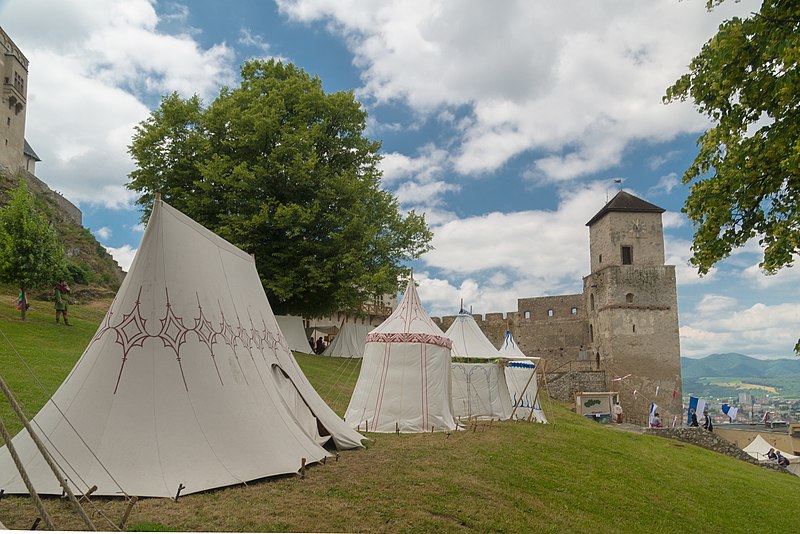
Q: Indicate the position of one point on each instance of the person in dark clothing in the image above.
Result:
(782, 460)
(693, 417)
(320, 348)
(771, 455)
(707, 423)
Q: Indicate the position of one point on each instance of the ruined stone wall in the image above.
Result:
(65, 207)
(564, 386)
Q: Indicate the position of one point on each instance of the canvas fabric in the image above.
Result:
(518, 375)
(294, 333)
(404, 383)
(188, 380)
(349, 342)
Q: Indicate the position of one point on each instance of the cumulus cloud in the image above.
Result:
(94, 66)
(575, 83)
(123, 255)
(103, 233)
(720, 324)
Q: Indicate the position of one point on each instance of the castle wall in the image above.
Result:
(13, 106)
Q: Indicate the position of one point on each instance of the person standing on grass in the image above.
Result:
(62, 301)
(617, 411)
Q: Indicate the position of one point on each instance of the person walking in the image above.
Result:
(693, 417)
(708, 424)
(62, 301)
(617, 411)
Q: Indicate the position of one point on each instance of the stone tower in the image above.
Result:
(632, 306)
(14, 66)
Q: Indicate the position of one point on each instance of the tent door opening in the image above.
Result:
(297, 406)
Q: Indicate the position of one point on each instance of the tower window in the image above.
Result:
(634, 329)
(627, 255)
(527, 315)
(550, 312)
(591, 333)
(600, 259)
(591, 301)
(629, 298)
(574, 311)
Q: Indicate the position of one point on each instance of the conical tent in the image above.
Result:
(522, 383)
(294, 332)
(479, 383)
(187, 381)
(404, 382)
(349, 342)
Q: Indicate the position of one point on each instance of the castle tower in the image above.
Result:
(632, 306)
(14, 68)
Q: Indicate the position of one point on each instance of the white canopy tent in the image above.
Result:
(759, 448)
(188, 381)
(294, 332)
(404, 384)
(479, 382)
(521, 376)
(349, 342)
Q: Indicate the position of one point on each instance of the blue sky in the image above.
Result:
(507, 124)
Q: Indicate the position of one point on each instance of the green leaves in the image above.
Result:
(283, 170)
(30, 252)
(746, 176)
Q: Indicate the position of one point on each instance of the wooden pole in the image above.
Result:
(37, 501)
(302, 468)
(46, 455)
(127, 513)
(523, 392)
(538, 387)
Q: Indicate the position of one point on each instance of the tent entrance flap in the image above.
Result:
(298, 408)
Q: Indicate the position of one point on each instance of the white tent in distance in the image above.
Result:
(295, 333)
(188, 381)
(404, 383)
(349, 342)
(479, 383)
(521, 376)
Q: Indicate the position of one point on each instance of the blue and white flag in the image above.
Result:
(730, 411)
(653, 407)
(698, 405)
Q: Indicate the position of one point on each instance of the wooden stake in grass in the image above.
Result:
(127, 513)
(85, 496)
(302, 468)
(181, 487)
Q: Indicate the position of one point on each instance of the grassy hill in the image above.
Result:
(569, 476)
(724, 375)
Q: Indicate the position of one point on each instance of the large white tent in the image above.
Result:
(349, 342)
(404, 384)
(188, 381)
(294, 332)
(479, 382)
(759, 448)
(521, 376)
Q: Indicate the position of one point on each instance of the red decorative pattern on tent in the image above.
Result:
(409, 337)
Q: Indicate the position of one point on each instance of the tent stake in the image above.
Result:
(337, 456)
(181, 487)
(85, 496)
(302, 468)
(36, 523)
(37, 501)
(45, 454)
(397, 428)
(127, 512)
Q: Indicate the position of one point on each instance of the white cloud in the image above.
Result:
(92, 66)
(719, 324)
(665, 184)
(123, 255)
(103, 233)
(577, 83)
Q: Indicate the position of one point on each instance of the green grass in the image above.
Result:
(570, 476)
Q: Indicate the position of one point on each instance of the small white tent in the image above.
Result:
(759, 448)
(479, 383)
(294, 333)
(349, 342)
(187, 381)
(521, 376)
(404, 382)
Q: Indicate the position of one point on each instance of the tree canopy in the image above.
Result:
(30, 251)
(284, 171)
(745, 180)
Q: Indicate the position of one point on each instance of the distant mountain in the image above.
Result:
(736, 365)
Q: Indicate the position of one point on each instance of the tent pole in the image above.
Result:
(538, 388)
(46, 454)
(37, 501)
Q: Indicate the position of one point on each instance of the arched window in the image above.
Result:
(629, 298)
(550, 312)
(591, 301)
(574, 311)
(527, 315)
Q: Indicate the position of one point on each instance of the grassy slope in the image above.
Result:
(571, 476)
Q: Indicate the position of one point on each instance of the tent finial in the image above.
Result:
(157, 196)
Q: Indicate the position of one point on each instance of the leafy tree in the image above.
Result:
(30, 252)
(746, 176)
(283, 170)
